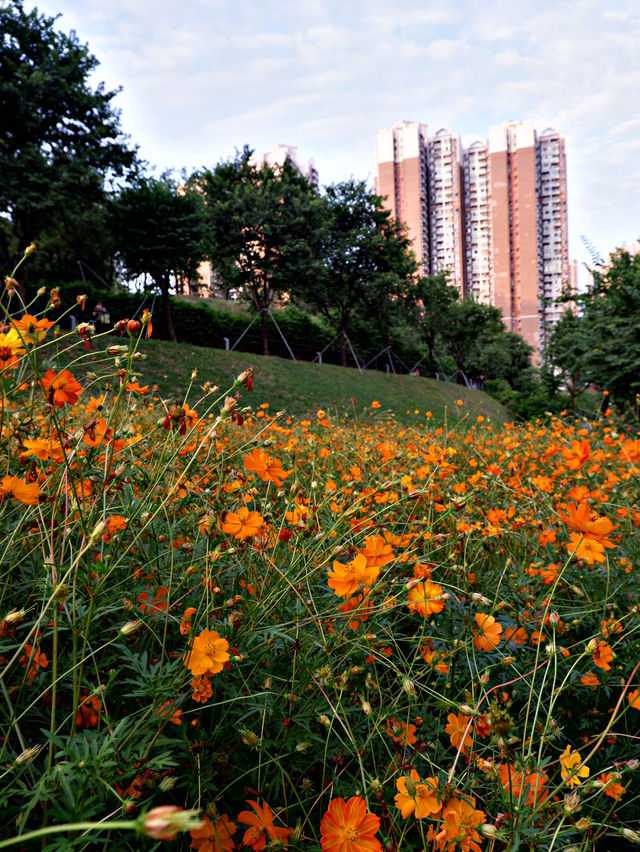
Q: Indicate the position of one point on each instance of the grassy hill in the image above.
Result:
(299, 387)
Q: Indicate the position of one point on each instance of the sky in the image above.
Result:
(202, 78)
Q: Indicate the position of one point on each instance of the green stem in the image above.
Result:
(70, 826)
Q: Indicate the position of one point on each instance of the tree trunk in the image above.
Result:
(343, 348)
(168, 319)
(432, 356)
(264, 330)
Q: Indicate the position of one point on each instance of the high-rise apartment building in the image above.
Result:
(496, 214)
(277, 156)
(445, 195)
(401, 177)
(477, 218)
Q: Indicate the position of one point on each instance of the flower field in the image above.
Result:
(238, 630)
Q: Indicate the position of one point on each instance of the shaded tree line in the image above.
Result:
(596, 343)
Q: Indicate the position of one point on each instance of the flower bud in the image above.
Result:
(166, 821)
(28, 755)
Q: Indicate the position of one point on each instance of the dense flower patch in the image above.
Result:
(328, 634)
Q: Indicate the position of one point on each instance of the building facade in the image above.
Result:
(401, 178)
(493, 215)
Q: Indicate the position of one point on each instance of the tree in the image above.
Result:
(367, 267)
(601, 345)
(565, 354)
(467, 327)
(434, 295)
(262, 226)
(160, 232)
(59, 138)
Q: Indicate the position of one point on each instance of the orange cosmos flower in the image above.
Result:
(461, 820)
(268, 469)
(348, 827)
(590, 679)
(590, 525)
(115, 523)
(602, 656)
(33, 659)
(416, 797)
(588, 549)
(242, 524)
(426, 598)
(401, 733)
(487, 638)
(89, 711)
(634, 699)
(459, 731)
(359, 608)
(208, 652)
(62, 389)
(151, 603)
(43, 449)
(214, 836)
(10, 348)
(32, 330)
(168, 711)
(611, 783)
(202, 689)
(569, 762)
(185, 624)
(96, 432)
(347, 578)
(518, 784)
(261, 826)
(377, 551)
(577, 455)
(25, 492)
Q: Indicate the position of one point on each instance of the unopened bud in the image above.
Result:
(28, 755)
(572, 803)
(14, 615)
(409, 687)
(166, 821)
(249, 738)
(591, 646)
(98, 531)
(130, 627)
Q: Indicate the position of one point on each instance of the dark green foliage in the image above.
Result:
(59, 141)
(601, 345)
(160, 234)
(262, 227)
(366, 268)
(434, 295)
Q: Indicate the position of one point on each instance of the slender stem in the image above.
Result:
(70, 826)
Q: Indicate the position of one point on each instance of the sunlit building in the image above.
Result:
(494, 215)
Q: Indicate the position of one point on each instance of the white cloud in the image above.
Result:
(205, 76)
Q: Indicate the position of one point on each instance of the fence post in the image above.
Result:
(226, 343)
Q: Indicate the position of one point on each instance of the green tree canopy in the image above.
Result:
(600, 346)
(59, 138)
(467, 326)
(366, 264)
(160, 233)
(434, 295)
(262, 229)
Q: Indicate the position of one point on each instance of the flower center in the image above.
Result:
(5, 353)
(351, 834)
(211, 649)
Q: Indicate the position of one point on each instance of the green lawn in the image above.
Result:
(300, 387)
